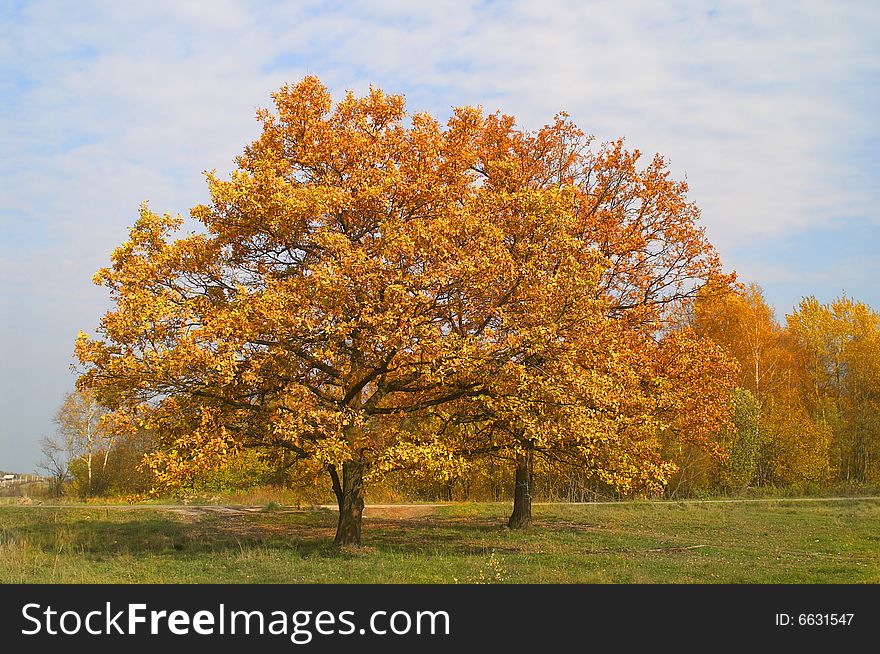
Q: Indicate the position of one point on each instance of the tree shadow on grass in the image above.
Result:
(308, 534)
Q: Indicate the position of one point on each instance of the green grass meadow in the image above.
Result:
(774, 542)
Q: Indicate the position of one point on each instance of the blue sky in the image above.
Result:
(769, 110)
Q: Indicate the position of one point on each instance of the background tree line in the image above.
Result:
(807, 402)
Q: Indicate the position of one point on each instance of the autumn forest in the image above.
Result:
(378, 301)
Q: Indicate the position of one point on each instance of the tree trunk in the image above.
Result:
(350, 498)
(522, 493)
(107, 454)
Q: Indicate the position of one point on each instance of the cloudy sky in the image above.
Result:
(769, 110)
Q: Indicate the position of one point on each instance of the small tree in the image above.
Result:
(743, 441)
(56, 455)
(84, 432)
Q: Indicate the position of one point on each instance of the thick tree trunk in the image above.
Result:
(522, 493)
(350, 498)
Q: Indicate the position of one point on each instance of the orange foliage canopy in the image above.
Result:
(364, 270)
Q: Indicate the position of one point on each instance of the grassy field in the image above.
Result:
(768, 542)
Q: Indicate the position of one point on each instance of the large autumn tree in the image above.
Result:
(354, 274)
(367, 278)
(616, 365)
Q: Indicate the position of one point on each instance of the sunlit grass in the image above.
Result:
(777, 542)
